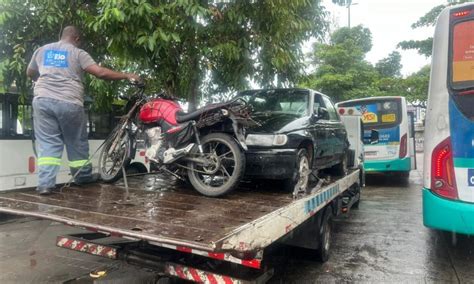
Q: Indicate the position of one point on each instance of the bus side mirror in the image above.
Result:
(374, 137)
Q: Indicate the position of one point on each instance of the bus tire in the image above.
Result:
(325, 235)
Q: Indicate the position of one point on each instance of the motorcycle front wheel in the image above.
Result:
(224, 168)
(114, 155)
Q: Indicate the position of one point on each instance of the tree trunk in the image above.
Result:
(193, 98)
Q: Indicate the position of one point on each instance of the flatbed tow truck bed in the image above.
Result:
(157, 211)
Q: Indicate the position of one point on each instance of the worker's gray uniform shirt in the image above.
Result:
(61, 67)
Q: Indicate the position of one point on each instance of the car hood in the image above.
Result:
(275, 122)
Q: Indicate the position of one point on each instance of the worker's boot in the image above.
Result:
(41, 190)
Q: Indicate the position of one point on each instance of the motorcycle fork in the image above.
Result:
(198, 140)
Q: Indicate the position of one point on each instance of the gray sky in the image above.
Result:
(390, 22)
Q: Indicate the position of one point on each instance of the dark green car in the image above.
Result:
(299, 132)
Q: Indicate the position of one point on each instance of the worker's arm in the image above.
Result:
(33, 74)
(107, 74)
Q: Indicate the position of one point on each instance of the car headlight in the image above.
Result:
(266, 140)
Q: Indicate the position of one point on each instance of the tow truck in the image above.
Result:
(154, 221)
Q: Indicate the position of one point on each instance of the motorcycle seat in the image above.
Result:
(183, 116)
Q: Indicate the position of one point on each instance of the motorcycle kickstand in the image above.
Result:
(125, 181)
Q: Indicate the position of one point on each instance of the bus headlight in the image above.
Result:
(266, 140)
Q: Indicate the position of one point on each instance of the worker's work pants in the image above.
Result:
(58, 123)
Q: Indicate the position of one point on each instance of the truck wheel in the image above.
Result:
(300, 180)
(325, 232)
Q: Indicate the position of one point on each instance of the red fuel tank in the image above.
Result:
(159, 109)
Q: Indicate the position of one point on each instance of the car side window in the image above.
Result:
(317, 103)
(331, 109)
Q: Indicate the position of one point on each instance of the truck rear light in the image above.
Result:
(342, 111)
(443, 180)
(403, 147)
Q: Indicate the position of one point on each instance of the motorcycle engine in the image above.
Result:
(155, 141)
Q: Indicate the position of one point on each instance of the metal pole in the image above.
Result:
(349, 15)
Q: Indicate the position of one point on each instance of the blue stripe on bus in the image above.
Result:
(462, 133)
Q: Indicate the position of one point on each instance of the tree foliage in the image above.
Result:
(416, 86)
(343, 73)
(183, 46)
(390, 66)
(424, 46)
(341, 70)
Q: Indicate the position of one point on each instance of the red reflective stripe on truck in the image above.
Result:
(254, 263)
(184, 249)
(220, 256)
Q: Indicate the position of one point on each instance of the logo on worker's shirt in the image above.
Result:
(470, 177)
(55, 58)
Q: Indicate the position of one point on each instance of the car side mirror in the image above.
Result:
(374, 137)
(322, 113)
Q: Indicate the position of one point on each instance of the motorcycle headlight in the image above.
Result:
(266, 140)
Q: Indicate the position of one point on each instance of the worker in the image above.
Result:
(58, 112)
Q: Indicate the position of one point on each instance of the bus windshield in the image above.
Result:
(462, 61)
(382, 113)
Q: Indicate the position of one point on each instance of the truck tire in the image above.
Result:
(325, 232)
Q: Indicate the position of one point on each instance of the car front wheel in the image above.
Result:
(299, 182)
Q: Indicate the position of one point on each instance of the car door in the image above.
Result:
(336, 132)
(319, 133)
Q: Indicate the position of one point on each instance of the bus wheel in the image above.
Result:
(325, 233)
(403, 176)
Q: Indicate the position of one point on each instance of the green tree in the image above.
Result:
(341, 70)
(424, 46)
(390, 66)
(416, 87)
(183, 46)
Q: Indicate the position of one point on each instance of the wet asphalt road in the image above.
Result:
(385, 241)
(382, 241)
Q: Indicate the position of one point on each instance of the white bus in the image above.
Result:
(389, 136)
(18, 168)
(448, 193)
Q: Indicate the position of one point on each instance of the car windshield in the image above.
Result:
(293, 102)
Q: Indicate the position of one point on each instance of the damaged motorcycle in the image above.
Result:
(205, 147)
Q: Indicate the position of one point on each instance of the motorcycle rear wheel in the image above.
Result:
(111, 161)
(225, 171)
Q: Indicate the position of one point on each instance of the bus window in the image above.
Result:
(462, 65)
(383, 113)
(24, 121)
